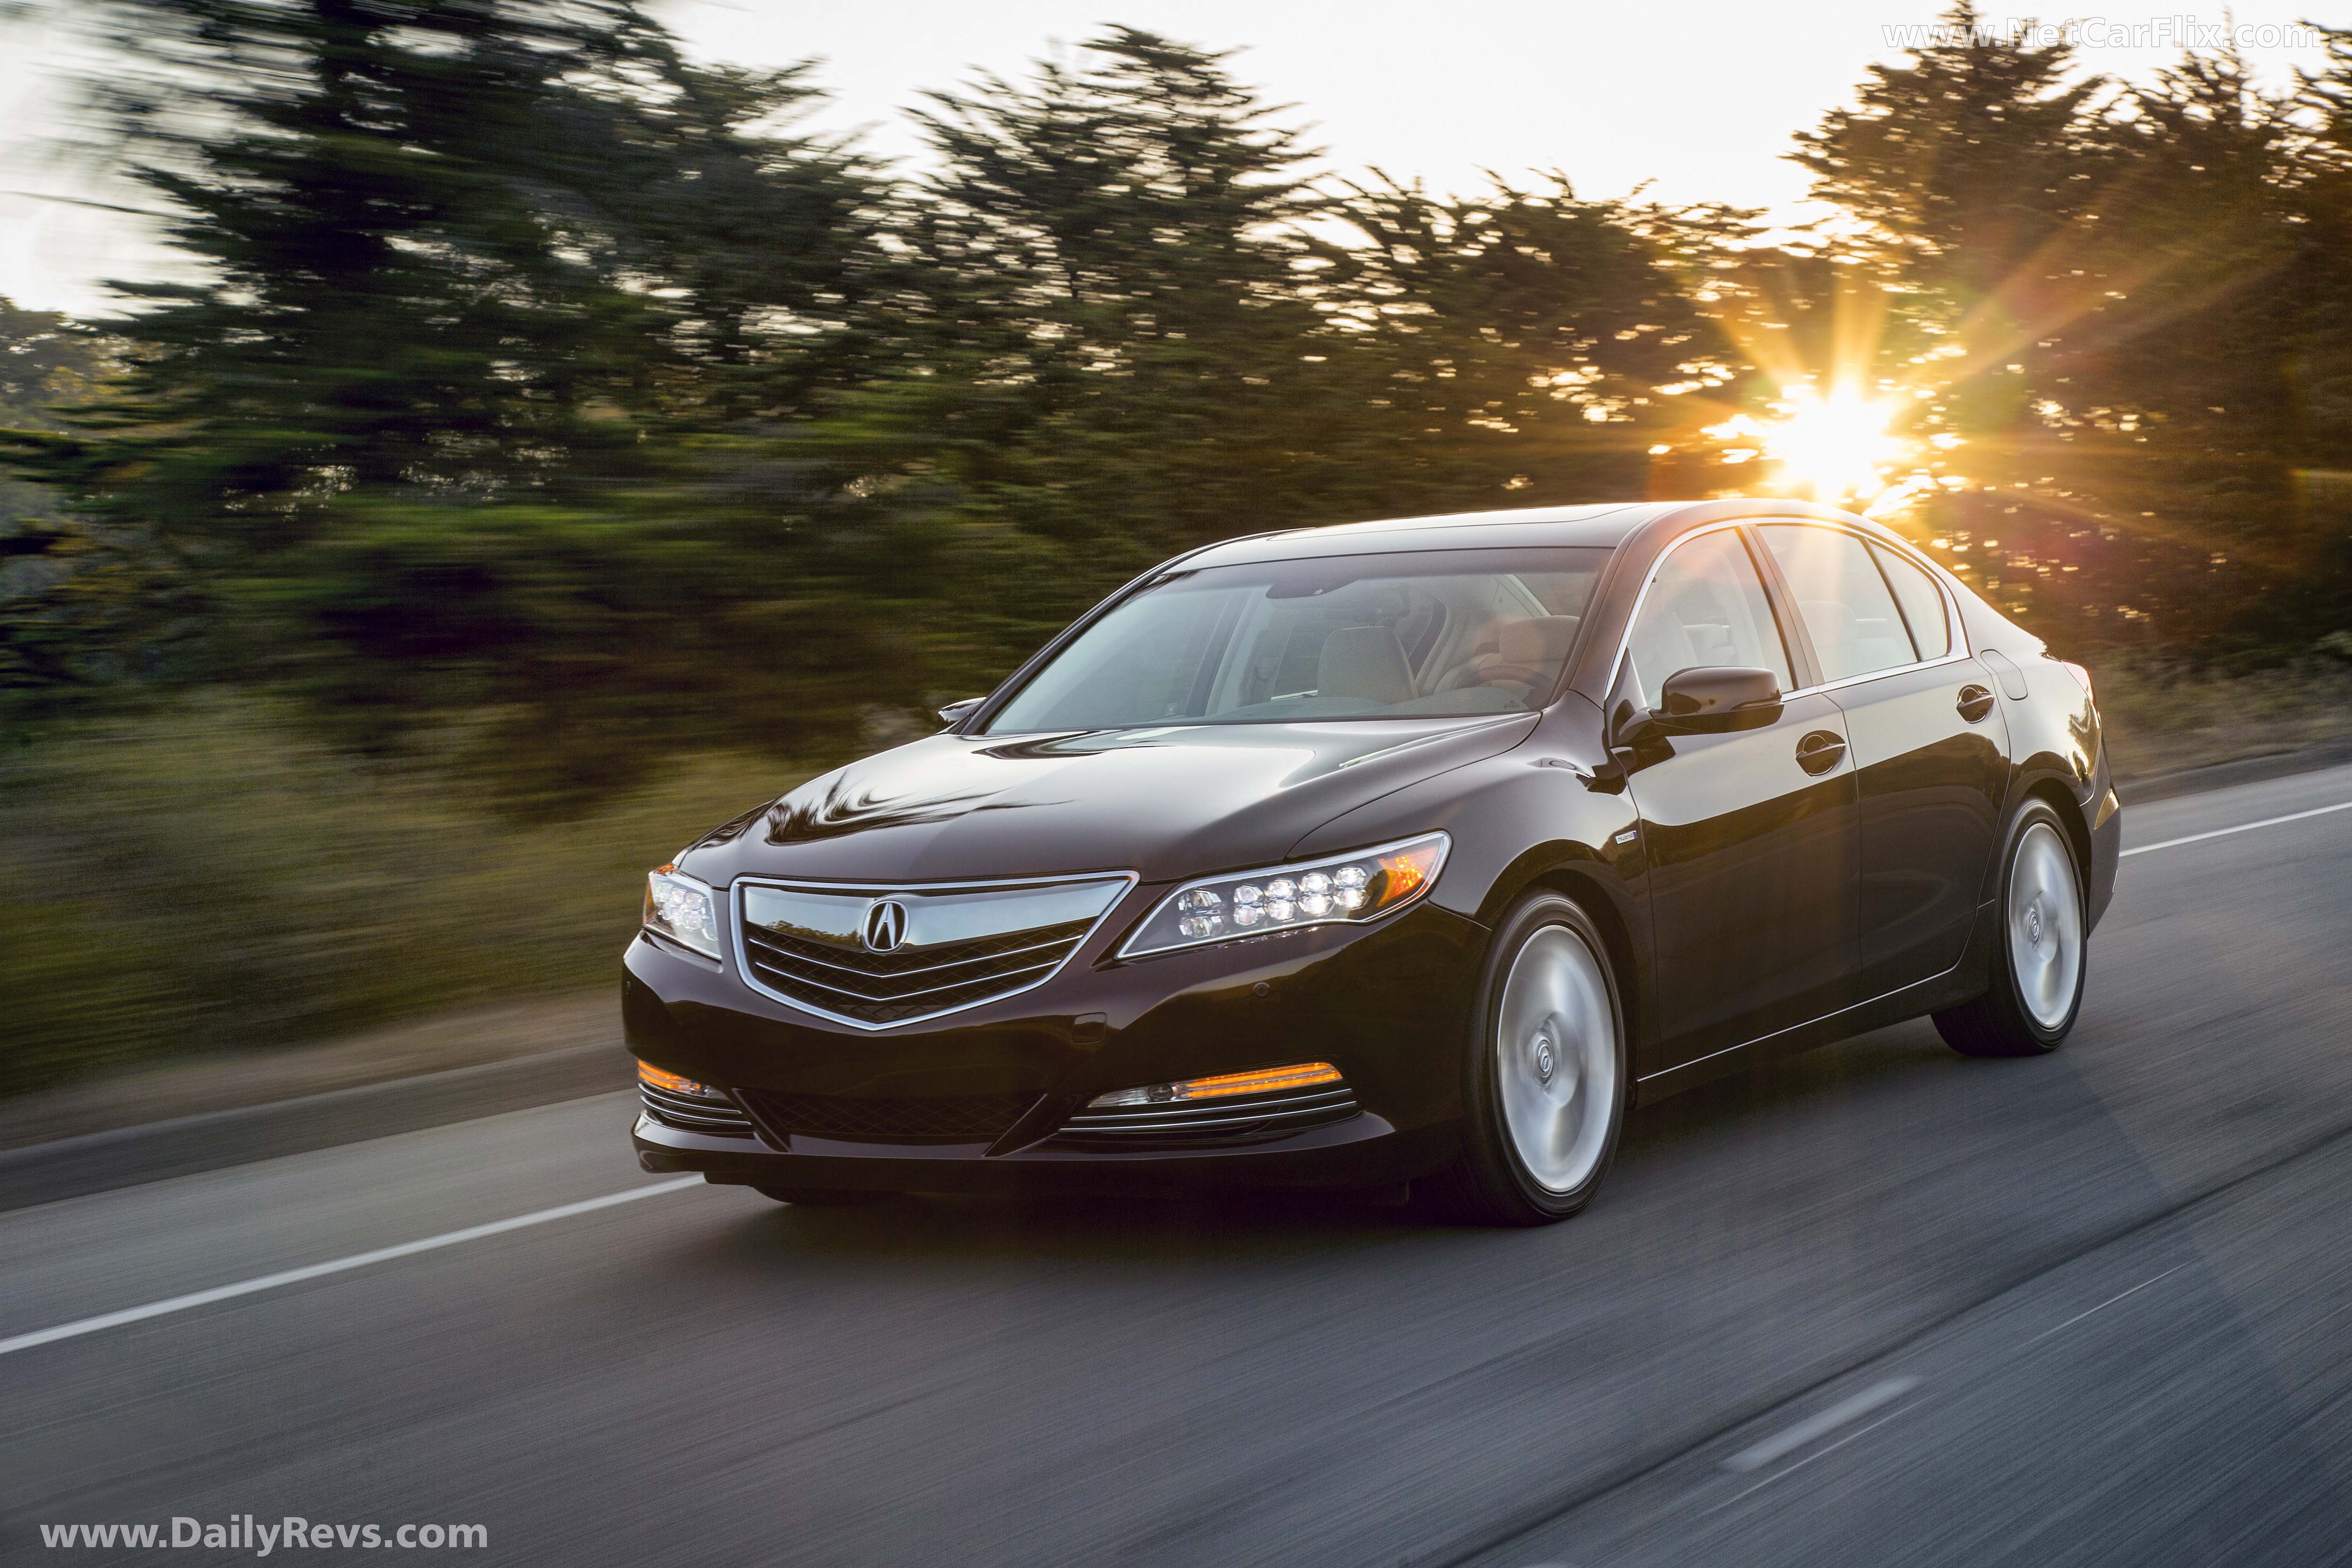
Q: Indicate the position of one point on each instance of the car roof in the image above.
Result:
(1606, 525)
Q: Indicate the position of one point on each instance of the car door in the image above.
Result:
(1930, 751)
(1751, 835)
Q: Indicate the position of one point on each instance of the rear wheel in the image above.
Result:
(1545, 1082)
(823, 1197)
(2037, 980)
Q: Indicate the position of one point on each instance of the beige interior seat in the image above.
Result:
(1364, 662)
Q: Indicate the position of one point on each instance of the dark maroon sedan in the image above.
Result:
(1414, 851)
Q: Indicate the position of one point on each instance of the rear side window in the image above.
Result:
(1848, 609)
(1922, 606)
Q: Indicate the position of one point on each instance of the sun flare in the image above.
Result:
(1834, 447)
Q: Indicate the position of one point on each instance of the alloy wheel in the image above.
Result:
(1556, 1059)
(2046, 926)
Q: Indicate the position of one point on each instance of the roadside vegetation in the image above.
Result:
(562, 447)
(217, 877)
(2166, 714)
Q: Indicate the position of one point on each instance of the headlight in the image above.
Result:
(1345, 889)
(682, 909)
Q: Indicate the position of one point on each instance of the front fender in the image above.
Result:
(1526, 816)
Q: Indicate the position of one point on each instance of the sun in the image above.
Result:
(1833, 448)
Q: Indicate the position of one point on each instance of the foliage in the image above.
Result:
(213, 877)
(2132, 308)
(481, 278)
(61, 580)
(541, 370)
(1527, 337)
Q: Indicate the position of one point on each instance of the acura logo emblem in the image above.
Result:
(886, 925)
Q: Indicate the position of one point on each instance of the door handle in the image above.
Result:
(1976, 702)
(1820, 751)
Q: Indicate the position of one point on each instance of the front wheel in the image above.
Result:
(2038, 968)
(1545, 1082)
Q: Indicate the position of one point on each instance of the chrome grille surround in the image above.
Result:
(965, 944)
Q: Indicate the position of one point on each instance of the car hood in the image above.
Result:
(1182, 801)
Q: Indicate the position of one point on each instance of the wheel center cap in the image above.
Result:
(1544, 1060)
(2033, 925)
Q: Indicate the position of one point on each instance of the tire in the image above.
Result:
(1546, 1080)
(2038, 967)
(823, 1197)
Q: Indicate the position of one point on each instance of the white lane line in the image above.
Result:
(1801, 1464)
(1836, 1415)
(2241, 827)
(2102, 1305)
(314, 1270)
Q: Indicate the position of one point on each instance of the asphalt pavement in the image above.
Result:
(1879, 1304)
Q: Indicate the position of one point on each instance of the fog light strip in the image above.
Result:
(1257, 1081)
(661, 1078)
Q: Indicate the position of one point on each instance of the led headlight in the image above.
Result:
(682, 909)
(1344, 890)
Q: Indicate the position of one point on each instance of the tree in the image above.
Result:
(483, 278)
(65, 584)
(2101, 282)
(1122, 321)
(1531, 348)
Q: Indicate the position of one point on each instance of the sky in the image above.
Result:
(1697, 100)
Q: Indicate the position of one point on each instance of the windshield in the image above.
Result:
(1361, 637)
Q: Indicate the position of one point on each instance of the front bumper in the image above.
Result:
(2104, 814)
(1385, 1004)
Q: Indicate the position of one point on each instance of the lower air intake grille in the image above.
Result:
(1206, 1124)
(957, 1118)
(689, 1114)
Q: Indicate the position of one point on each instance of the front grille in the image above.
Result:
(1206, 1124)
(892, 988)
(958, 947)
(949, 1118)
(689, 1114)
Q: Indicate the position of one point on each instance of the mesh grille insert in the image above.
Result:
(953, 1119)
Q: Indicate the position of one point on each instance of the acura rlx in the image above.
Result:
(1404, 852)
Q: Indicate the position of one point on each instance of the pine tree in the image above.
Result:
(480, 277)
(1533, 348)
(1122, 289)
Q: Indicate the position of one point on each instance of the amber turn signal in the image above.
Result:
(1402, 873)
(662, 1079)
(1260, 1080)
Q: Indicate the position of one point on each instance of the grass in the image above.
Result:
(2161, 714)
(213, 878)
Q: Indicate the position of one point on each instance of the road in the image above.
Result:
(1878, 1304)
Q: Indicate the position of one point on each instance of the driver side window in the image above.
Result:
(1706, 606)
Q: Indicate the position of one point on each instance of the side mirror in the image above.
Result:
(954, 712)
(1719, 697)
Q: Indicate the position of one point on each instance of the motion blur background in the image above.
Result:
(523, 434)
